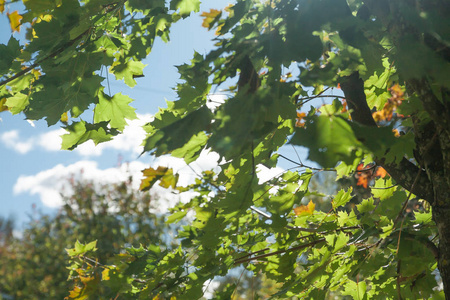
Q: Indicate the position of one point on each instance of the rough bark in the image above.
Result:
(433, 157)
(405, 172)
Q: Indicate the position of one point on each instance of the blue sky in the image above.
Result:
(34, 171)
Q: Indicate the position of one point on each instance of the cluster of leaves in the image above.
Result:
(70, 48)
(35, 263)
(366, 250)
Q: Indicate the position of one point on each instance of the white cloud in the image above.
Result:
(209, 288)
(129, 141)
(51, 141)
(215, 100)
(12, 140)
(265, 174)
(206, 161)
(52, 184)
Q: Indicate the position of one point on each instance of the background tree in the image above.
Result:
(387, 56)
(34, 265)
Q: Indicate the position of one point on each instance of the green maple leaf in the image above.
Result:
(342, 197)
(191, 150)
(81, 132)
(330, 139)
(57, 98)
(175, 135)
(185, 6)
(114, 109)
(127, 71)
(17, 103)
(8, 53)
(82, 248)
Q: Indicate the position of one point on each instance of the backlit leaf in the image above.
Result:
(128, 71)
(114, 109)
(163, 174)
(185, 6)
(14, 20)
(305, 209)
(80, 132)
(342, 197)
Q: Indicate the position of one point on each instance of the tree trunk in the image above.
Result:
(441, 216)
(430, 178)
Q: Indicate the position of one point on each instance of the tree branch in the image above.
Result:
(240, 261)
(404, 172)
(51, 55)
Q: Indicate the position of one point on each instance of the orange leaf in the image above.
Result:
(305, 209)
(164, 174)
(210, 17)
(363, 181)
(14, 20)
(300, 122)
(364, 174)
(344, 106)
(381, 172)
(396, 90)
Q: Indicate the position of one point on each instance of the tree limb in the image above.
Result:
(404, 172)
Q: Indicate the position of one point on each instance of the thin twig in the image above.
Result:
(407, 199)
(281, 251)
(260, 212)
(384, 188)
(51, 55)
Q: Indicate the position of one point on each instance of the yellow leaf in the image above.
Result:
(36, 73)
(105, 274)
(14, 20)
(75, 293)
(305, 209)
(2, 6)
(64, 117)
(210, 17)
(164, 174)
(3, 107)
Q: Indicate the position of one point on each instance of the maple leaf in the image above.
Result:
(127, 71)
(300, 122)
(114, 109)
(164, 174)
(363, 180)
(64, 117)
(365, 174)
(185, 6)
(80, 132)
(210, 18)
(391, 105)
(14, 20)
(3, 107)
(344, 106)
(396, 132)
(305, 209)
(381, 172)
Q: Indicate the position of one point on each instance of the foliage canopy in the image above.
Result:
(389, 58)
(35, 264)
